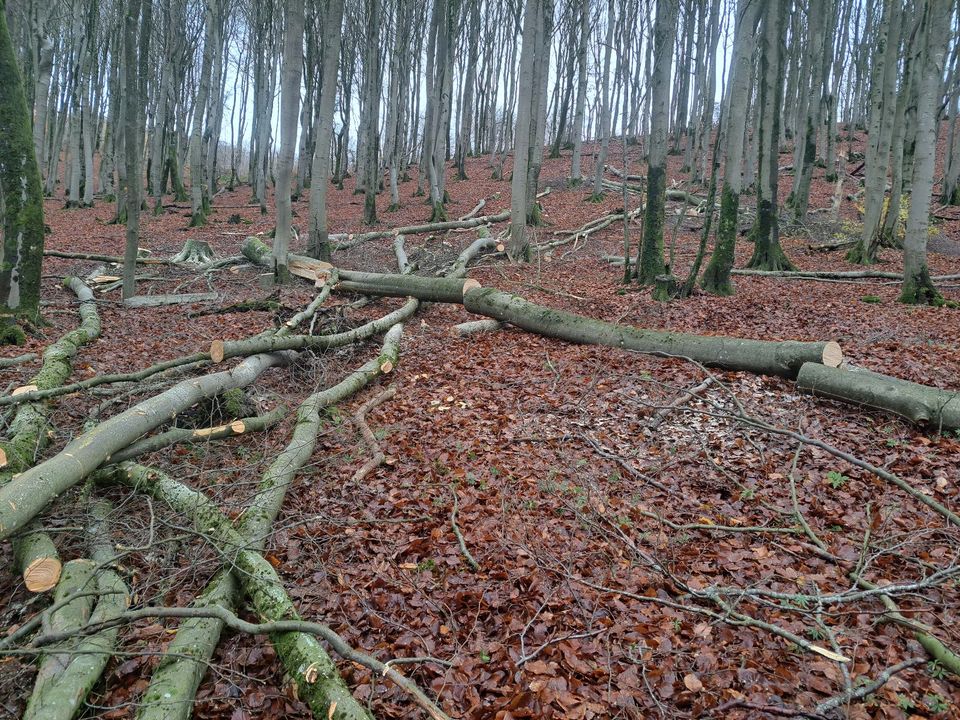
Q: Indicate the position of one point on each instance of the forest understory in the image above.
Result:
(651, 538)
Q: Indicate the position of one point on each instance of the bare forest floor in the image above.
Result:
(563, 487)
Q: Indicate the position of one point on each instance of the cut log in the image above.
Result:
(186, 435)
(29, 493)
(445, 290)
(475, 326)
(926, 406)
(79, 583)
(318, 682)
(37, 557)
(758, 356)
(174, 684)
(63, 696)
(158, 300)
(277, 342)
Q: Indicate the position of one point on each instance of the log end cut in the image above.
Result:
(832, 354)
(216, 351)
(469, 285)
(42, 574)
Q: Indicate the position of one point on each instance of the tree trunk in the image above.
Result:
(21, 196)
(917, 286)
(651, 262)
(577, 131)
(716, 278)
(934, 408)
(318, 244)
(289, 108)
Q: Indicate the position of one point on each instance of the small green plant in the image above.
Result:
(836, 480)
(872, 299)
(893, 443)
(747, 494)
(936, 670)
(815, 633)
(427, 565)
(936, 703)
(677, 625)
(905, 703)
(484, 656)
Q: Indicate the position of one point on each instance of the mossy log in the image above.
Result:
(174, 683)
(62, 696)
(445, 290)
(200, 435)
(927, 406)
(318, 682)
(762, 357)
(73, 600)
(35, 555)
(472, 251)
(29, 493)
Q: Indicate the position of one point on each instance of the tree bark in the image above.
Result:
(21, 195)
(930, 407)
(757, 356)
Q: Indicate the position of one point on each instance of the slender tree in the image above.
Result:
(289, 109)
(917, 287)
(716, 278)
(651, 250)
(767, 253)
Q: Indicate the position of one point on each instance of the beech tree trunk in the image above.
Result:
(651, 261)
(21, 196)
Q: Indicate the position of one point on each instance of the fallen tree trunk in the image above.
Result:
(476, 208)
(928, 406)
(18, 360)
(174, 683)
(318, 682)
(475, 326)
(814, 274)
(472, 251)
(138, 301)
(29, 493)
(73, 600)
(62, 697)
(115, 259)
(344, 241)
(220, 350)
(762, 357)
(35, 555)
(445, 290)
(189, 435)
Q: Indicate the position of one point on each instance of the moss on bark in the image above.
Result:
(716, 278)
(651, 251)
(21, 252)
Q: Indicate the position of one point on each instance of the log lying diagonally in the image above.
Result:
(343, 242)
(35, 554)
(30, 492)
(61, 696)
(763, 357)
(174, 683)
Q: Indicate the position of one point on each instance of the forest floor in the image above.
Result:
(565, 492)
